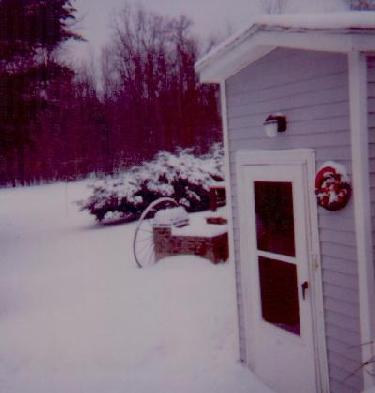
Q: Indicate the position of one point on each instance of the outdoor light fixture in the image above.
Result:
(274, 124)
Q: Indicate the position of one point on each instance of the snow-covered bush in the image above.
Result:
(182, 176)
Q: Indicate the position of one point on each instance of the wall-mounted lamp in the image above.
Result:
(274, 124)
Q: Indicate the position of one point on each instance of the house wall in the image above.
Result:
(371, 125)
(311, 89)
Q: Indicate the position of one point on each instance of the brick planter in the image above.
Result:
(166, 244)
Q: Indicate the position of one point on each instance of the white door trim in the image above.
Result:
(305, 158)
(229, 200)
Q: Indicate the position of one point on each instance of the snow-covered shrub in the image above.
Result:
(182, 176)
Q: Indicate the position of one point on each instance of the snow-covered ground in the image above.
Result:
(78, 316)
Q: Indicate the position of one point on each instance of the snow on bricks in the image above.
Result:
(177, 216)
(198, 238)
(214, 248)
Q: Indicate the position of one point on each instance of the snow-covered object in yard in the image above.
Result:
(201, 230)
(113, 215)
(117, 217)
(182, 176)
(176, 216)
(221, 212)
(217, 184)
(198, 226)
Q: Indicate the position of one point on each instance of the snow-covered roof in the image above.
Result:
(342, 32)
(353, 20)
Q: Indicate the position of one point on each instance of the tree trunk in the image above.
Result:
(21, 164)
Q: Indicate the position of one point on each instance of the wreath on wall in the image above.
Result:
(332, 186)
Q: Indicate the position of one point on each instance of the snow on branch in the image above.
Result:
(183, 176)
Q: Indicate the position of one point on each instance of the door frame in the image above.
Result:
(306, 159)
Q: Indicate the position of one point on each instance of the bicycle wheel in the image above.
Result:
(143, 242)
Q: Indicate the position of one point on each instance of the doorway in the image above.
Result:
(279, 270)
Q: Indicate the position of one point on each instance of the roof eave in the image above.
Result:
(255, 43)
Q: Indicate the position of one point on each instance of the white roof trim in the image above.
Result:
(334, 32)
(326, 21)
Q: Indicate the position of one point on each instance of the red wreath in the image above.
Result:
(332, 190)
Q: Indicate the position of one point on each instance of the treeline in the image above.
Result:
(60, 123)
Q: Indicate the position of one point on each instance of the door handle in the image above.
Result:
(304, 287)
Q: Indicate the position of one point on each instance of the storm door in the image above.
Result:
(274, 239)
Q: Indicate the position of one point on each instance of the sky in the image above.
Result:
(210, 17)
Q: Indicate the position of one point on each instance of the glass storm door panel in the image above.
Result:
(279, 294)
(275, 234)
(274, 217)
(274, 255)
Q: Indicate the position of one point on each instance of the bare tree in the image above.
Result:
(148, 99)
(151, 85)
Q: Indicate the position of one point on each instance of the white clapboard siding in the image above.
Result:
(294, 87)
(339, 265)
(371, 125)
(341, 387)
(300, 127)
(311, 89)
(326, 96)
(317, 111)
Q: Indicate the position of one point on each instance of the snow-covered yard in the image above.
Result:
(78, 316)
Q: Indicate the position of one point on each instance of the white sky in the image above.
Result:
(209, 17)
